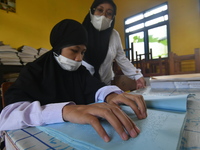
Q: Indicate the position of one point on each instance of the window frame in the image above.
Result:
(145, 29)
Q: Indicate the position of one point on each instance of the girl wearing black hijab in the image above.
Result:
(104, 44)
(56, 88)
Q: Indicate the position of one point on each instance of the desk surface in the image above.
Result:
(191, 134)
(34, 139)
(30, 138)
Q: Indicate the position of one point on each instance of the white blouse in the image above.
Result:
(115, 52)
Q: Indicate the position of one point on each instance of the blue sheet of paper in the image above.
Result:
(160, 130)
(175, 102)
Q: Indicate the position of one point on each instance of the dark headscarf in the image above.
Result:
(67, 33)
(45, 81)
(98, 41)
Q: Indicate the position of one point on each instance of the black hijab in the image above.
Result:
(98, 41)
(45, 81)
(67, 33)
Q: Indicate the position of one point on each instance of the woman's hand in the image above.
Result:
(89, 114)
(136, 102)
(140, 83)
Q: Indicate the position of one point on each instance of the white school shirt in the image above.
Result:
(115, 52)
(24, 114)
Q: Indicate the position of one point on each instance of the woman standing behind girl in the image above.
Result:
(104, 45)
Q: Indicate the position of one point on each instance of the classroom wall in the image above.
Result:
(184, 18)
(33, 20)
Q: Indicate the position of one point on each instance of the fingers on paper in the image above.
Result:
(123, 125)
(138, 105)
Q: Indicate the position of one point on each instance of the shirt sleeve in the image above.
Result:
(25, 114)
(127, 67)
(104, 91)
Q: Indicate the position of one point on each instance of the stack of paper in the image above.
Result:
(8, 55)
(27, 54)
(183, 81)
(42, 51)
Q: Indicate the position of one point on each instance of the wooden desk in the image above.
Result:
(30, 138)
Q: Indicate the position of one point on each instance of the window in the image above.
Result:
(149, 30)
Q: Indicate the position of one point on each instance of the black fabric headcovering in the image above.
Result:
(98, 2)
(66, 33)
(98, 41)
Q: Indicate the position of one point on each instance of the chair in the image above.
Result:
(139, 57)
(154, 67)
(129, 53)
(184, 64)
(150, 66)
(4, 88)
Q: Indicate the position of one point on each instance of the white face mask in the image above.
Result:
(68, 64)
(100, 22)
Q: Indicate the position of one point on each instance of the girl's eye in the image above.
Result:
(75, 51)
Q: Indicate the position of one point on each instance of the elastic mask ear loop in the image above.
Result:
(55, 54)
